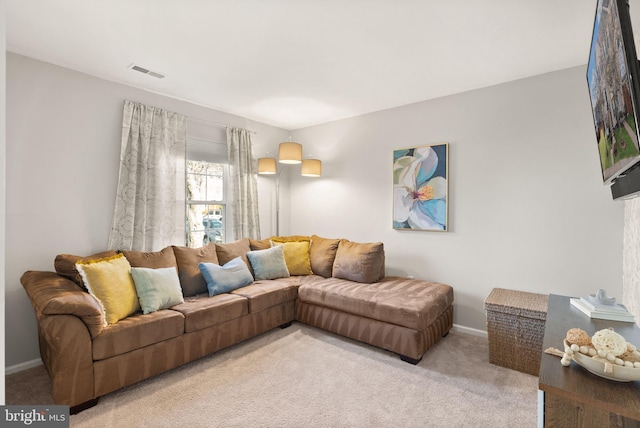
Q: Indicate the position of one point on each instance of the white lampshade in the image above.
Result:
(289, 152)
(266, 166)
(311, 168)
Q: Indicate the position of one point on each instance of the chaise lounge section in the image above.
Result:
(401, 315)
(336, 285)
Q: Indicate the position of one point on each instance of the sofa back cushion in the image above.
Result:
(152, 259)
(359, 262)
(65, 265)
(231, 250)
(191, 278)
(259, 244)
(323, 254)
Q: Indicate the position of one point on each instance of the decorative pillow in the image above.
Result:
(157, 288)
(191, 278)
(359, 262)
(153, 259)
(229, 251)
(222, 279)
(296, 255)
(323, 254)
(269, 263)
(109, 280)
(290, 238)
(65, 265)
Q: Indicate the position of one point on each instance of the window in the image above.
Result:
(206, 173)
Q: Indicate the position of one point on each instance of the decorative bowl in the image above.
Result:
(603, 368)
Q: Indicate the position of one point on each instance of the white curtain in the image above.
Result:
(244, 184)
(150, 200)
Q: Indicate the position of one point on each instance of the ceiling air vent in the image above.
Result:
(146, 71)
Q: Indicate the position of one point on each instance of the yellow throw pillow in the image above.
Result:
(296, 255)
(109, 280)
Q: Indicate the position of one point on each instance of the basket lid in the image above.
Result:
(518, 303)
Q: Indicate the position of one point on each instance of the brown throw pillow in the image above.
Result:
(65, 265)
(323, 254)
(359, 262)
(191, 279)
(153, 259)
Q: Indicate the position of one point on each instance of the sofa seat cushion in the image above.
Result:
(137, 331)
(406, 302)
(202, 311)
(266, 293)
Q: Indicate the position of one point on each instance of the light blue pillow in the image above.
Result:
(269, 263)
(157, 288)
(222, 279)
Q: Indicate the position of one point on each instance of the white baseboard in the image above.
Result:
(22, 366)
(469, 330)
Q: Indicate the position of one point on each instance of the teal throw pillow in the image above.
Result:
(269, 263)
(157, 288)
(222, 279)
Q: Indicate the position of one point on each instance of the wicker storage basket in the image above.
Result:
(515, 324)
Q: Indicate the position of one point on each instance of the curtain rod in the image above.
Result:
(219, 125)
(204, 140)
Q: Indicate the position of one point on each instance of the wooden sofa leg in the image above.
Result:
(83, 406)
(410, 360)
(285, 325)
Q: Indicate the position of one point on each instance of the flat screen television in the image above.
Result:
(613, 77)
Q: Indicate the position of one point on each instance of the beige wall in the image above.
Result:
(63, 148)
(528, 210)
(527, 207)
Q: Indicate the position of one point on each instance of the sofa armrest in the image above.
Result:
(51, 294)
(66, 351)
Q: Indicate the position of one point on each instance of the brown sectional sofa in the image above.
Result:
(87, 359)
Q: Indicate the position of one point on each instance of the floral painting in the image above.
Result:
(420, 188)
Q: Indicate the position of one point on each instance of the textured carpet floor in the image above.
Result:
(304, 377)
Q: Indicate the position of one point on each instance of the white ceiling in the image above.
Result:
(296, 63)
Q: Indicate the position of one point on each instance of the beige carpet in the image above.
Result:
(305, 377)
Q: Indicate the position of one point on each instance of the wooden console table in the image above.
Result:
(572, 396)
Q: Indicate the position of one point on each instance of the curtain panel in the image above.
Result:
(150, 200)
(243, 184)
